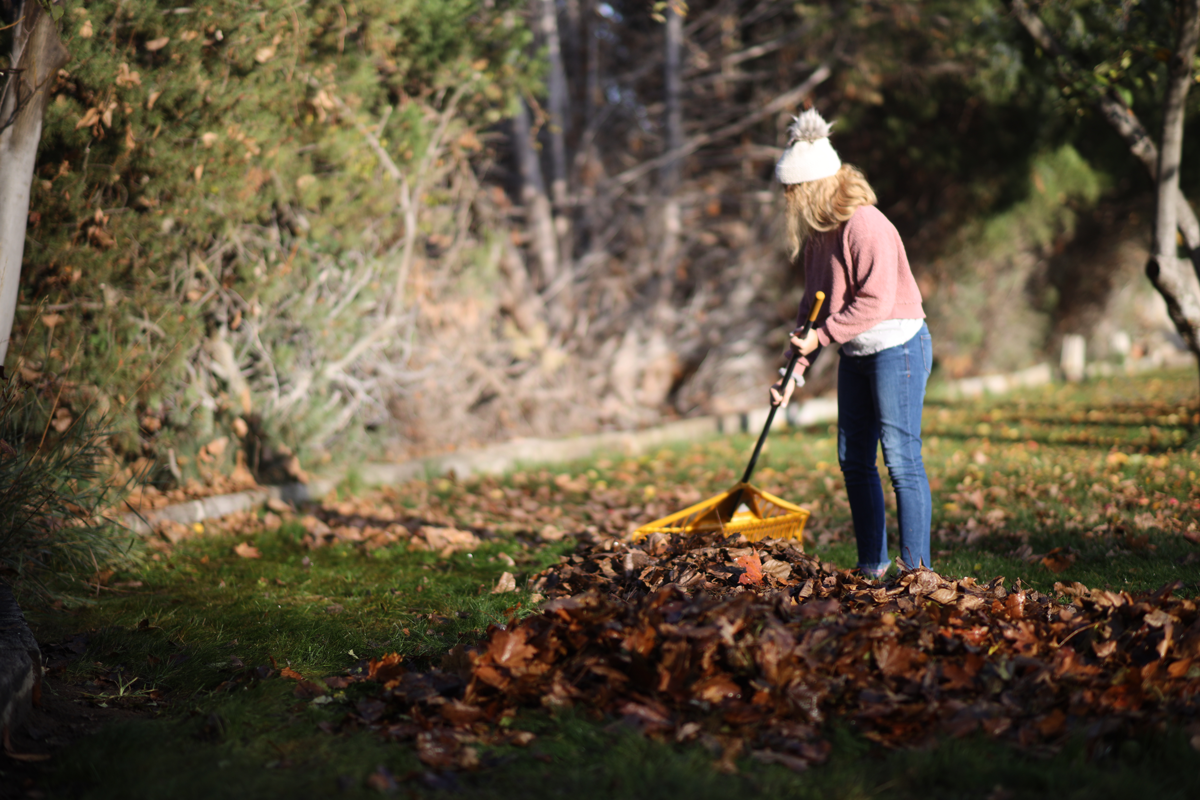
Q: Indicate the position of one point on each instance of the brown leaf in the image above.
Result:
(1058, 560)
(970, 602)
(444, 541)
(729, 755)
(461, 714)
(945, 595)
(1014, 605)
(157, 44)
(717, 689)
(507, 583)
(894, 659)
(290, 674)
(1053, 723)
(437, 749)
(780, 571)
(508, 649)
(794, 763)
(90, 117)
(753, 566)
(247, 550)
(386, 669)
(382, 781)
(308, 689)
(648, 717)
(126, 78)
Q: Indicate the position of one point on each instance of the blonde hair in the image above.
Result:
(824, 204)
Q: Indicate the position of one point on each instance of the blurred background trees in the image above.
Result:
(386, 227)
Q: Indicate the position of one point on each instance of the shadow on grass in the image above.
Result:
(239, 749)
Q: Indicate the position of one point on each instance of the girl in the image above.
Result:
(854, 254)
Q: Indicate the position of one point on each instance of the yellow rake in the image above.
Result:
(744, 509)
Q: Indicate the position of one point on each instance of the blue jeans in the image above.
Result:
(879, 400)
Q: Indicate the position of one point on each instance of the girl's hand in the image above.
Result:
(782, 400)
(806, 345)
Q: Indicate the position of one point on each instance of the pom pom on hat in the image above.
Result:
(809, 155)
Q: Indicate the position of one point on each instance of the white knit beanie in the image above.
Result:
(809, 155)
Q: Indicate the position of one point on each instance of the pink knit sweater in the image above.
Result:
(863, 270)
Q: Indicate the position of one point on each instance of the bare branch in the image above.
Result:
(786, 100)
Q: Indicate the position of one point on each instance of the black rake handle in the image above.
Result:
(787, 376)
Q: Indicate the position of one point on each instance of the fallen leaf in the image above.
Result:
(1058, 560)
(247, 550)
(382, 781)
(157, 44)
(753, 575)
(507, 583)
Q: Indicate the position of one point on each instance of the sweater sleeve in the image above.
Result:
(873, 257)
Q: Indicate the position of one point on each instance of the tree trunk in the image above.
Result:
(1119, 116)
(574, 37)
(38, 54)
(595, 99)
(1174, 281)
(558, 107)
(671, 168)
(533, 196)
(589, 165)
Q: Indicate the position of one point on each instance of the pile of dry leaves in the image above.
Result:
(760, 648)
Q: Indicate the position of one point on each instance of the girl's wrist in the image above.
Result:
(796, 376)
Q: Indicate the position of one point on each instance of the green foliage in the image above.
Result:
(51, 487)
(199, 182)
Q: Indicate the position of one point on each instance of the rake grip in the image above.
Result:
(787, 376)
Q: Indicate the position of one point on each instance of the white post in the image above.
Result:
(1074, 357)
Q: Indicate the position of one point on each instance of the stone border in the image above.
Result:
(20, 663)
(966, 388)
(144, 522)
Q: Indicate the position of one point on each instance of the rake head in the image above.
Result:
(744, 509)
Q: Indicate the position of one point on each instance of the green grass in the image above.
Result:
(1106, 470)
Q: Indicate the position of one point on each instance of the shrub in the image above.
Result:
(51, 489)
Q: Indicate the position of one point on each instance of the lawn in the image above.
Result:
(185, 648)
